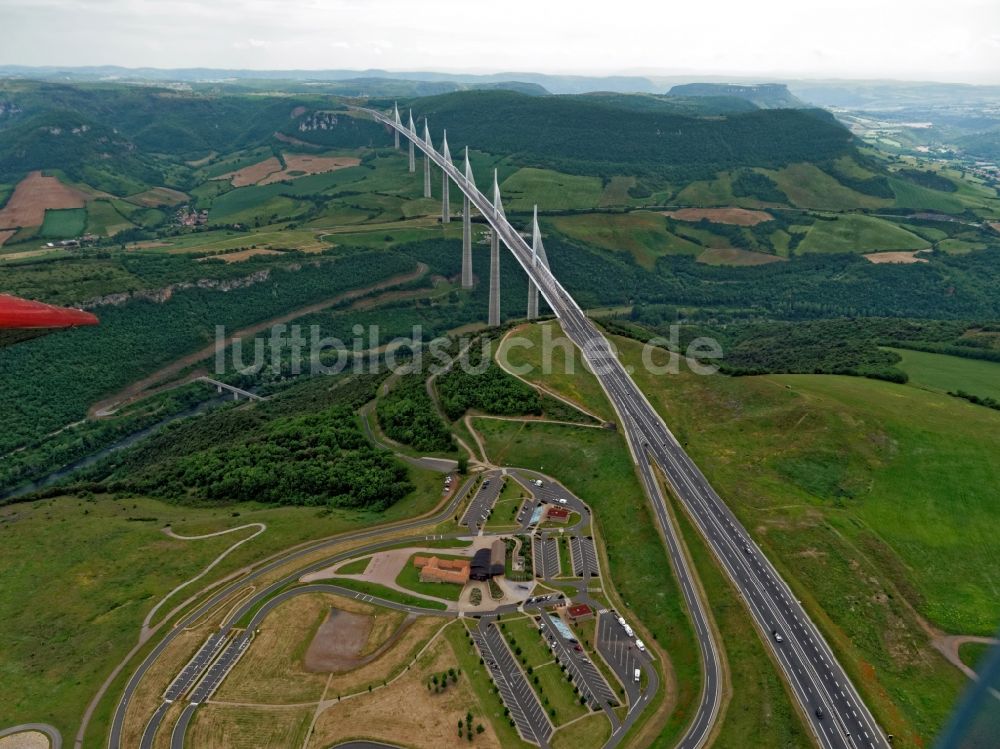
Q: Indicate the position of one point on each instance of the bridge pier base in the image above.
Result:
(532, 300)
(445, 199)
(494, 319)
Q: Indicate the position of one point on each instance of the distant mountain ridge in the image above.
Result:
(763, 95)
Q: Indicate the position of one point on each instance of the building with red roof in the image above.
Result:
(557, 514)
(579, 612)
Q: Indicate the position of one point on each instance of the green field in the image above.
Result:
(65, 223)
(709, 193)
(63, 638)
(556, 695)
(522, 632)
(973, 653)
(388, 594)
(642, 234)
(808, 186)
(945, 373)
(357, 567)
(552, 191)
(103, 219)
(568, 376)
(856, 233)
(863, 493)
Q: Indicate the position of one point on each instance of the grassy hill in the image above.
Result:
(580, 134)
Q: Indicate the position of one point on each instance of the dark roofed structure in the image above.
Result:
(489, 562)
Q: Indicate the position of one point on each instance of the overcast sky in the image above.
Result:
(958, 40)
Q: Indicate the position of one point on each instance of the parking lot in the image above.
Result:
(515, 691)
(584, 674)
(551, 492)
(545, 552)
(233, 652)
(584, 556)
(619, 651)
(482, 503)
(195, 667)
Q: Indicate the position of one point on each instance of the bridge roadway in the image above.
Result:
(818, 681)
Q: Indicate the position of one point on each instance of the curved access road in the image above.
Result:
(118, 719)
(55, 738)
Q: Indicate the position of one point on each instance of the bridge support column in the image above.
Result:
(494, 319)
(532, 300)
(395, 116)
(467, 227)
(413, 133)
(538, 258)
(427, 176)
(466, 244)
(445, 199)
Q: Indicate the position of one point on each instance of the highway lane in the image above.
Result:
(806, 660)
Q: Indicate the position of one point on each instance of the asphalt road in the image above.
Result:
(209, 666)
(806, 661)
(118, 720)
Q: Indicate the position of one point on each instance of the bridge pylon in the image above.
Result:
(413, 132)
(445, 184)
(467, 227)
(395, 117)
(427, 160)
(538, 258)
(494, 317)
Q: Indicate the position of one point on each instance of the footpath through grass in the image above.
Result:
(106, 564)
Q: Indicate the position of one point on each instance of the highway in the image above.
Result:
(833, 709)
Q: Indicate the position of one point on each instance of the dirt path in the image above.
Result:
(138, 388)
(948, 646)
(146, 630)
(539, 387)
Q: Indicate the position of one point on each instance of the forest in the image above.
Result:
(304, 446)
(407, 414)
(51, 381)
(844, 346)
(484, 386)
(585, 136)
